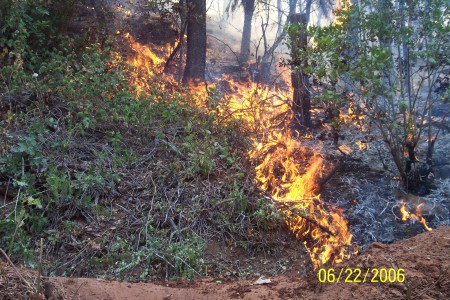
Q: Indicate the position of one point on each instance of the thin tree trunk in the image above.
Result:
(279, 17)
(292, 7)
(196, 42)
(301, 105)
(308, 10)
(249, 7)
(268, 57)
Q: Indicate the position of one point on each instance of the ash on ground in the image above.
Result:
(368, 189)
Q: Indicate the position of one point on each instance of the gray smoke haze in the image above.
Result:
(228, 26)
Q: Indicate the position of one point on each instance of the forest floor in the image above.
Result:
(282, 269)
(425, 259)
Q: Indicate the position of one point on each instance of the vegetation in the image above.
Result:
(133, 177)
(79, 149)
(387, 62)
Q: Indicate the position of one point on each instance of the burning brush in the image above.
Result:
(285, 168)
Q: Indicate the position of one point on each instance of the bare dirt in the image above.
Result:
(425, 259)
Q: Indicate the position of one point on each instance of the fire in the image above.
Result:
(147, 64)
(289, 172)
(406, 215)
(340, 7)
(285, 168)
(362, 145)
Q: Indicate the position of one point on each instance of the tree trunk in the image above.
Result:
(249, 7)
(308, 10)
(279, 17)
(292, 7)
(301, 106)
(196, 42)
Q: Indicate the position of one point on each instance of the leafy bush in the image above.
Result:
(78, 144)
(387, 61)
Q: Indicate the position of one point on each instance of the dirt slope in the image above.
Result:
(425, 259)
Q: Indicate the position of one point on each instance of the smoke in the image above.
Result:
(228, 26)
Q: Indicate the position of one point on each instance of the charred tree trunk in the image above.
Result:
(249, 7)
(196, 42)
(301, 106)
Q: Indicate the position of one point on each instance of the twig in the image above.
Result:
(15, 269)
(237, 57)
(76, 292)
(336, 168)
(183, 261)
(40, 268)
(172, 147)
(15, 220)
(7, 187)
(215, 205)
(308, 218)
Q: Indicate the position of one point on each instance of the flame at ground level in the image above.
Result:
(406, 215)
(286, 169)
(290, 173)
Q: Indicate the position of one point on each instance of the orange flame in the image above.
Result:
(341, 6)
(406, 215)
(146, 64)
(289, 172)
(285, 168)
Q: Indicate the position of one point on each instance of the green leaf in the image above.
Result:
(21, 183)
(34, 201)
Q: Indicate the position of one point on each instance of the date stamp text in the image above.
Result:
(357, 275)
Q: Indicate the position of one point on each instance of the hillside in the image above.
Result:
(124, 161)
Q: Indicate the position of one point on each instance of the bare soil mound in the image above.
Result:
(425, 259)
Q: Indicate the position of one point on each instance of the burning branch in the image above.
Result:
(330, 175)
(406, 215)
(286, 206)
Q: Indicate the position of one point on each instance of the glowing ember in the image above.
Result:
(406, 215)
(362, 145)
(345, 149)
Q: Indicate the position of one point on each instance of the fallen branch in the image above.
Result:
(311, 220)
(172, 55)
(15, 269)
(297, 213)
(330, 175)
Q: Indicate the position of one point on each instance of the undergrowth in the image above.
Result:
(117, 185)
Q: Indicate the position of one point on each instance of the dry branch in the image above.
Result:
(15, 269)
(285, 206)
